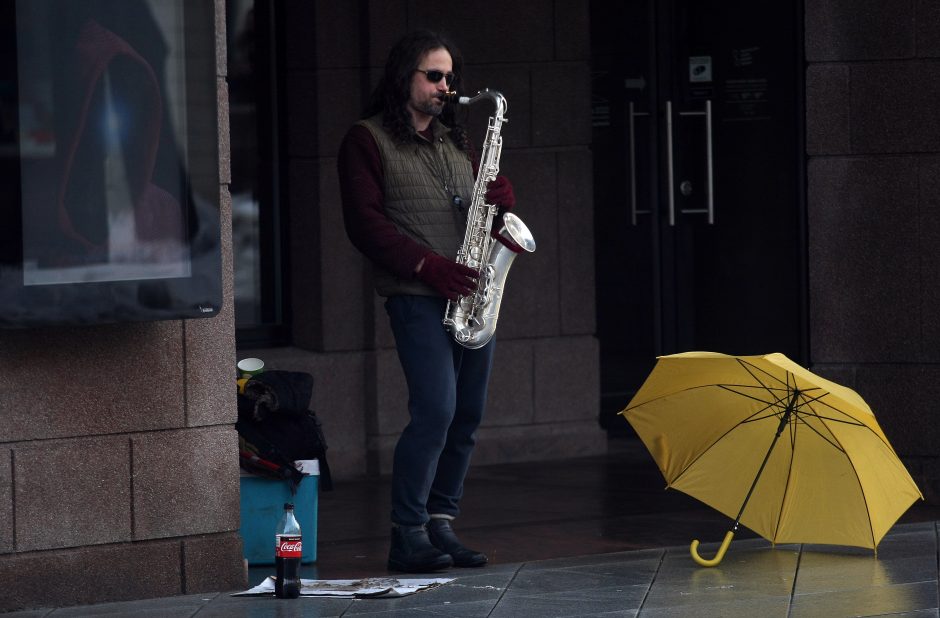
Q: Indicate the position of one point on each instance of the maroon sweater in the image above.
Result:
(361, 179)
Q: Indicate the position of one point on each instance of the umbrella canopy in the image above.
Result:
(794, 457)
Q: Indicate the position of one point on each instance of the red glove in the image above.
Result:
(499, 192)
(447, 278)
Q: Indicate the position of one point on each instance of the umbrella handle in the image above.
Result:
(693, 549)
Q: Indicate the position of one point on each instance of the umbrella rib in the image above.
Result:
(731, 388)
(788, 387)
(786, 487)
(783, 420)
(778, 399)
(834, 444)
(819, 399)
(664, 396)
(752, 369)
(854, 421)
(801, 412)
(858, 479)
(752, 418)
(728, 387)
(839, 446)
(808, 403)
(778, 402)
(758, 415)
(771, 405)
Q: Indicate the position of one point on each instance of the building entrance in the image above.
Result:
(698, 184)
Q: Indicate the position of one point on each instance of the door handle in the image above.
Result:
(670, 172)
(634, 211)
(709, 165)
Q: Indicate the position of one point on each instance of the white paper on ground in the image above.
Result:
(372, 587)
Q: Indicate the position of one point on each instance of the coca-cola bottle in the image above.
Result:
(287, 552)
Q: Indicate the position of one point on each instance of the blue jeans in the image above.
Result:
(446, 396)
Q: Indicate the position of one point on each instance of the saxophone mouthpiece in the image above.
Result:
(451, 97)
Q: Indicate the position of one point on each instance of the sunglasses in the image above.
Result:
(435, 76)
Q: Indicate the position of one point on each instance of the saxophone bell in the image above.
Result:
(515, 235)
(472, 318)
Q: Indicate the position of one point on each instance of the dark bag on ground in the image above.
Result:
(276, 427)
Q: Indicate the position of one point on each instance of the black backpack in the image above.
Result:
(276, 427)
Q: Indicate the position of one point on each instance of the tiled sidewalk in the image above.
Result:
(594, 536)
(754, 579)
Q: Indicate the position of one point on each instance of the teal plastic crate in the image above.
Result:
(262, 504)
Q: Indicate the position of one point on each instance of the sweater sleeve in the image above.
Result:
(361, 182)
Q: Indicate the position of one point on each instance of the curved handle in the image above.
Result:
(693, 549)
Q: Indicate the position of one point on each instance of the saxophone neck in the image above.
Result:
(494, 95)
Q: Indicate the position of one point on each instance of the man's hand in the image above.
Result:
(446, 277)
(499, 193)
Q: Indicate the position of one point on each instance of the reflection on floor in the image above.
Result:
(534, 511)
(589, 538)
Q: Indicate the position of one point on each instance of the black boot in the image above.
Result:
(412, 552)
(442, 537)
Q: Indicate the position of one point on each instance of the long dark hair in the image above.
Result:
(391, 95)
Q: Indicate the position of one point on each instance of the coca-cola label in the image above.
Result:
(287, 547)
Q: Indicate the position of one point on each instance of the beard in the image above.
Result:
(430, 107)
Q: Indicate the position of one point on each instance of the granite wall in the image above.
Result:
(118, 456)
(873, 140)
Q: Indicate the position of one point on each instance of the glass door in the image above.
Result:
(698, 184)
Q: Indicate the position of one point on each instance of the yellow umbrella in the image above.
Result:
(717, 424)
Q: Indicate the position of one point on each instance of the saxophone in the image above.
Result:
(472, 318)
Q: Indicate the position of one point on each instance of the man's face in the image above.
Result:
(426, 96)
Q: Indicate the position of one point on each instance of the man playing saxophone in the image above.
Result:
(405, 173)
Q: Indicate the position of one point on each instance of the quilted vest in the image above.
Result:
(416, 200)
